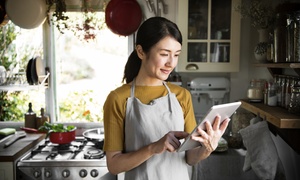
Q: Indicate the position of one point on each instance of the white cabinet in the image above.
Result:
(211, 35)
(6, 170)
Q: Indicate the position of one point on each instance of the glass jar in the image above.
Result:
(296, 44)
(280, 32)
(290, 38)
(294, 106)
(272, 94)
(255, 90)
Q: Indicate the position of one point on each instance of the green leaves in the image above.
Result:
(56, 127)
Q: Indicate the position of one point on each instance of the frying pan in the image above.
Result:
(95, 136)
(123, 17)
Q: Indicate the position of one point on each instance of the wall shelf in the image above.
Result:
(280, 121)
(276, 68)
(25, 87)
(277, 116)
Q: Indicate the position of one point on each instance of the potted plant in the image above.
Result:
(84, 27)
(262, 17)
(261, 14)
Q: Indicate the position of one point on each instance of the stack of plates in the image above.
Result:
(35, 71)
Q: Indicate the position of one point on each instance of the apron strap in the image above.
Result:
(169, 96)
(132, 88)
(164, 83)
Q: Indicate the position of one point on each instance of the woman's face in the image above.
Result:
(161, 59)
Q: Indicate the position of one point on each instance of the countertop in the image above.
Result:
(20, 147)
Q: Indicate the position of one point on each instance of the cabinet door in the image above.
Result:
(211, 35)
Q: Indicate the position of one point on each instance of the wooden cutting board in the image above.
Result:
(20, 147)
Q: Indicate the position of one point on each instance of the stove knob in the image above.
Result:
(65, 173)
(37, 173)
(47, 174)
(94, 173)
(83, 173)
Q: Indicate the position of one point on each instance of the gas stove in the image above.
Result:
(79, 159)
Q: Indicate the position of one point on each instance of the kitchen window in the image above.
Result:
(85, 72)
(81, 73)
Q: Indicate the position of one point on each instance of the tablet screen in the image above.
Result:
(223, 110)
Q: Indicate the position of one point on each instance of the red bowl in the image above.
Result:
(62, 137)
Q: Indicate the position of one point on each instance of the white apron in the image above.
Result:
(147, 123)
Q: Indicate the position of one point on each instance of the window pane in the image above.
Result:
(86, 72)
(220, 52)
(220, 19)
(197, 52)
(18, 46)
(197, 17)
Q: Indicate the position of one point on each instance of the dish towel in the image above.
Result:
(261, 154)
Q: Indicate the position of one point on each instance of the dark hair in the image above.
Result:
(149, 33)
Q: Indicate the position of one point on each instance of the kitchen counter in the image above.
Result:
(20, 147)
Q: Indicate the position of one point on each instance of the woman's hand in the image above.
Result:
(210, 138)
(169, 142)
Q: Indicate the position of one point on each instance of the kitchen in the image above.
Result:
(246, 72)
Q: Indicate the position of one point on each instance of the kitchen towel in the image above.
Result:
(7, 131)
(261, 154)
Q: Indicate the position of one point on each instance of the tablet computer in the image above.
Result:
(223, 110)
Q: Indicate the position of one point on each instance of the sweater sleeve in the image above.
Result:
(189, 115)
(113, 117)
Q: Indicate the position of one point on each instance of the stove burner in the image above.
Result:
(52, 155)
(93, 154)
(63, 146)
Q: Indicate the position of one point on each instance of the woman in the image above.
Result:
(145, 118)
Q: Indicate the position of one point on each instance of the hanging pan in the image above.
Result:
(27, 14)
(123, 17)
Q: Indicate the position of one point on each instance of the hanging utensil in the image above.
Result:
(164, 6)
(151, 6)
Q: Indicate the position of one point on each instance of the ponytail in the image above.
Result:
(132, 67)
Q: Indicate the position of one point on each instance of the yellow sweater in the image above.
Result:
(115, 108)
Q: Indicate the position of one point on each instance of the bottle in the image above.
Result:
(30, 117)
(289, 85)
(272, 94)
(290, 38)
(40, 120)
(283, 90)
(280, 32)
(296, 40)
(294, 106)
(277, 80)
(270, 48)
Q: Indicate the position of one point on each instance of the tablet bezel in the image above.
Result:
(224, 110)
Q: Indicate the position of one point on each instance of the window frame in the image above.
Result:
(51, 92)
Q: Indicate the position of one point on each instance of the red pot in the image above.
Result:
(123, 17)
(62, 137)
